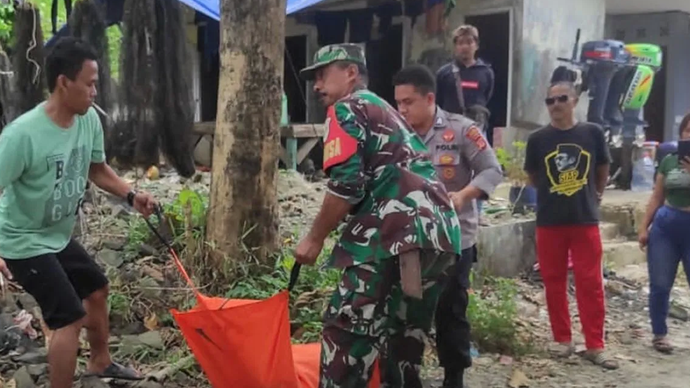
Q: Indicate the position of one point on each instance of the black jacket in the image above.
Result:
(477, 86)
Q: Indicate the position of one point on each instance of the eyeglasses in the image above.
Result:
(552, 100)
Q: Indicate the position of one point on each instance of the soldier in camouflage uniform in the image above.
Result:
(401, 218)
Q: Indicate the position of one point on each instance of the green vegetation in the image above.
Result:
(185, 225)
(513, 163)
(492, 313)
(7, 21)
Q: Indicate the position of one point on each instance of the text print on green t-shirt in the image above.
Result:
(70, 184)
(43, 176)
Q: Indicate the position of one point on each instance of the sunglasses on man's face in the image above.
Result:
(552, 100)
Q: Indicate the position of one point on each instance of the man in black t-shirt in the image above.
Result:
(568, 163)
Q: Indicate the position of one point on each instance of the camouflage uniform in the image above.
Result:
(377, 163)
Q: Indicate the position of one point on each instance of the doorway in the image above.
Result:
(384, 59)
(293, 85)
(655, 108)
(494, 49)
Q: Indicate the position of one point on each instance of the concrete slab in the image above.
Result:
(619, 254)
(625, 198)
(609, 231)
(203, 151)
(507, 249)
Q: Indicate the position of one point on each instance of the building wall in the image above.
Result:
(548, 33)
(670, 29)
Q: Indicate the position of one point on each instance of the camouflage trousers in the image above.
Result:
(368, 311)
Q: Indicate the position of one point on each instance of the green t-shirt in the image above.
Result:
(676, 182)
(43, 175)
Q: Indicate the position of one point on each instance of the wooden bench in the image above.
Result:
(291, 155)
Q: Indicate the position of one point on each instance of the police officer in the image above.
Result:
(469, 169)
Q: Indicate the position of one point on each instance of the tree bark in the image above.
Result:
(243, 200)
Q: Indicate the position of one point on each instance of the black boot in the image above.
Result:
(454, 379)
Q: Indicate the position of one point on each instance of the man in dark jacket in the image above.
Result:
(466, 84)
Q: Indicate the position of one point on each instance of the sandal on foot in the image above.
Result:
(603, 359)
(117, 371)
(662, 345)
(560, 350)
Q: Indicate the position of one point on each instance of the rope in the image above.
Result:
(33, 45)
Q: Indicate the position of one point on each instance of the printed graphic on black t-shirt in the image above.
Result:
(567, 168)
(565, 163)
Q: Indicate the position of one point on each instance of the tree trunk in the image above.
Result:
(243, 200)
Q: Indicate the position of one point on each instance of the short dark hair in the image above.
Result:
(570, 85)
(418, 76)
(67, 58)
(684, 124)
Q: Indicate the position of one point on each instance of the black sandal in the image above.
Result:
(117, 371)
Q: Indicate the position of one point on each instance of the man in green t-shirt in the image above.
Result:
(46, 157)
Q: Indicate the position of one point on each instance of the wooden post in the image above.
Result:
(243, 199)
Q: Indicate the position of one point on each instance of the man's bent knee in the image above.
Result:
(100, 295)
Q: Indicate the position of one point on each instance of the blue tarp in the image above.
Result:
(211, 8)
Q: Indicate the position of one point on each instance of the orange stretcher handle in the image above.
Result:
(159, 213)
(294, 273)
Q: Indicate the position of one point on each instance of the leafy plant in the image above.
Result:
(312, 291)
(6, 24)
(492, 314)
(513, 163)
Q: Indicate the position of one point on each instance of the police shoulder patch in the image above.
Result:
(339, 146)
(475, 135)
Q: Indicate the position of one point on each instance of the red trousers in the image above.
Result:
(584, 244)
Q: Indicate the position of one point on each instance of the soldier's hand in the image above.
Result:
(308, 250)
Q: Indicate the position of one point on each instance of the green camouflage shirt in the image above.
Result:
(377, 163)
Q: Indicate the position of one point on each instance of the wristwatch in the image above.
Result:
(130, 197)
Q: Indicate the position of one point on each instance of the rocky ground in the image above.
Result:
(145, 285)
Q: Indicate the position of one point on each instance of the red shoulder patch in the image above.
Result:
(339, 145)
(475, 136)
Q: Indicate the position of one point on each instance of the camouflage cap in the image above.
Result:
(332, 53)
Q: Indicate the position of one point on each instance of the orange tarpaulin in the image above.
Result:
(246, 344)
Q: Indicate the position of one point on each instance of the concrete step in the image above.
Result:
(619, 254)
(609, 231)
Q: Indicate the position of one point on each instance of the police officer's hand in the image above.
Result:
(459, 200)
(308, 250)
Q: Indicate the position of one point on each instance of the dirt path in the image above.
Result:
(628, 338)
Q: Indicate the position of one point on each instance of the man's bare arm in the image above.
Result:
(333, 210)
(104, 177)
(602, 178)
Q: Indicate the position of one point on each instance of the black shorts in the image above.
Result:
(60, 282)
